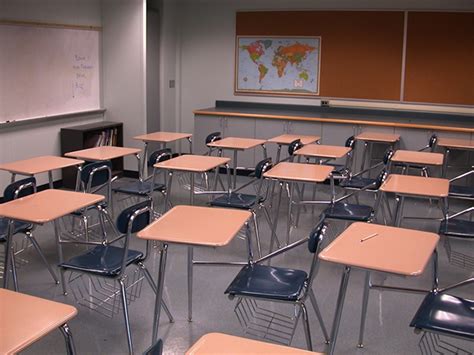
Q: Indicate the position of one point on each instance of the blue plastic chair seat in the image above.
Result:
(349, 211)
(461, 191)
(236, 200)
(102, 260)
(262, 281)
(140, 188)
(357, 182)
(457, 228)
(447, 314)
(18, 227)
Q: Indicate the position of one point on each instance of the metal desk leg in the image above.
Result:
(273, 182)
(145, 159)
(60, 255)
(340, 305)
(159, 293)
(445, 163)
(66, 331)
(364, 156)
(191, 189)
(398, 210)
(363, 316)
(168, 190)
(50, 178)
(8, 255)
(140, 173)
(190, 145)
(235, 169)
(190, 284)
(275, 219)
(290, 190)
(12, 180)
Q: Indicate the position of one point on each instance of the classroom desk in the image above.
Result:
(286, 139)
(106, 152)
(328, 152)
(370, 138)
(38, 165)
(287, 172)
(416, 186)
(219, 343)
(43, 207)
(25, 319)
(453, 144)
(375, 247)
(164, 138)
(411, 157)
(191, 164)
(192, 226)
(238, 144)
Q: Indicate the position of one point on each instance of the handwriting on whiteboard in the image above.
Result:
(82, 72)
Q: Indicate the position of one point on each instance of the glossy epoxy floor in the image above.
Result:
(389, 313)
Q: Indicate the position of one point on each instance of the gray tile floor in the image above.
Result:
(389, 313)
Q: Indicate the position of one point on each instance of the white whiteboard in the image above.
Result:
(46, 71)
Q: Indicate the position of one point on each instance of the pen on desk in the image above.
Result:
(369, 237)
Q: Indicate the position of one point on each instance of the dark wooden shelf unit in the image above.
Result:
(87, 136)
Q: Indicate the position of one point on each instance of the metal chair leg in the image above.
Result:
(66, 332)
(125, 314)
(307, 332)
(43, 258)
(257, 234)
(14, 274)
(363, 316)
(312, 297)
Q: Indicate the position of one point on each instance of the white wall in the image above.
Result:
(202, 60)
(123, 63)
(43, 138)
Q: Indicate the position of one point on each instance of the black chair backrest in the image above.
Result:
(25, 186)
(100, 176)
(262, 167)
(432, 141)
(159, 156)
(140, 221)
(316, 237)
(212, 137)
(387, 156)
(155, 349)
(294, 146)
(381, 177)
(350, 142)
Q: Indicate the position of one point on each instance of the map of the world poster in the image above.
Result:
(278, 65)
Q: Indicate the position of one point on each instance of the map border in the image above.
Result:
(238, 91)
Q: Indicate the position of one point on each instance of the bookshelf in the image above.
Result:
(89, 136)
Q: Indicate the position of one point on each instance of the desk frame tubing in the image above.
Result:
(339, 306)
(159, 291)
(67, 334)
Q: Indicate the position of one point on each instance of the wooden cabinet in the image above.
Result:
(88, 136)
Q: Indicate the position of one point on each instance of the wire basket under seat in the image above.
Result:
(101, 294)
(267, 324)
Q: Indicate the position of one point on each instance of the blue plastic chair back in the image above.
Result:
(140, 221)
(387, 156)
(316, 237)
(262, 167)
(432, 141)
(212, 137)
(350, 142)
(381, 177)
(294, 146)
(9, 192)
(100, 177)
(159, 156)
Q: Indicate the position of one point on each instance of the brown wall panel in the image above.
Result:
(361, 51)
(440, 58)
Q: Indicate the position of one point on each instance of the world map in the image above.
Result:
(278, 65)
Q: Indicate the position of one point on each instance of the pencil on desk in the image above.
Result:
(369, 237)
